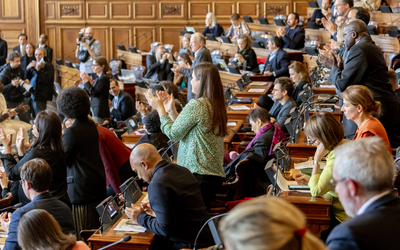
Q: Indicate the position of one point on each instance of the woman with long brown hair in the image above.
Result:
(200, 128)
(38, 229)
(300, 76)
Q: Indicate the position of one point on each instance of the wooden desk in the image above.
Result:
(310, 61)
(301, 149)
(131, 138)
(267, 88)
(240, 115)
(388, 45)
(337, 113)
(131, 59)
(66, 76)
(320, 90)
(231, 134)
(267, 28)
(230, 50)
(385, 19)
(228, 78)
(316, 209)
(138, 241)
(323, 35)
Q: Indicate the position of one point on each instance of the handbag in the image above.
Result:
(83, 55)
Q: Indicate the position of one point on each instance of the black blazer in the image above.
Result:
(297, 91)
(12, 93)
(17, 48)
(44, 83)
(364, 64)
(126, 107)
(216, 31)
(61, 213)
(279, 64)
(284, 114)
(25, 61)
(3, 52)
(58, 187)
(86, 177)
(98, 93)
(376, 228)
(162, 69)
(178, 205)
(203, 55)
(49, 53)
(294, 39)
(251, 60)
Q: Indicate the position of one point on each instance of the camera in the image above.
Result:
(28, 88)
(81, 38)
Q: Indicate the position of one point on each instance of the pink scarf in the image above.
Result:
(278, 136)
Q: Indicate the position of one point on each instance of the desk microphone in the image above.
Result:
(110, 200)
(125, 239)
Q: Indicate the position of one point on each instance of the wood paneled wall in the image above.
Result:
(19, 16)
(139, 23)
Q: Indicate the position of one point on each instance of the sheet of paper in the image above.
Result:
(146, 199)
(231, 124)
(327, 86)
(256, 90)
(239, 107)
(258, 84)
(283, 184)
(127, 225)
(307, 164)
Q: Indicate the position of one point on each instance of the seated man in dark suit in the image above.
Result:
(21, 48)
(293, 35)
(36, 177)
(49, 51)
(282, 92)
(159, 64)
(176, 208)
(324, 12)
(363, 174)
(122, 106)
(277, 63)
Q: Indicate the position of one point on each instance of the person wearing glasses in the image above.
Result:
(326, 133)
(159, 63)
(363, 177)
(98, 90)
(342, 8)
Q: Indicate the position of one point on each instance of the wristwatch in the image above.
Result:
(314, 162)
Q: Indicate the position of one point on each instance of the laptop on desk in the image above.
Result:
(190, 29)
(128, 75)
(221, 65)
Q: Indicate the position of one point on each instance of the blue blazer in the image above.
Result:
(376, 228)
(279, 64)
(56, 208)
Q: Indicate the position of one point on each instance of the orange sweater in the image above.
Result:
(373, 127)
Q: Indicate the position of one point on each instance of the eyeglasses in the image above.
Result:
(333, 183)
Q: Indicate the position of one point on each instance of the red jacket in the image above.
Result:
(114, 155)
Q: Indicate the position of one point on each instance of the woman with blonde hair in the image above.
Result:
(359, 106)
(39, 230)
(212, 27)
(326, 133)
(267, 224)
(245, 55)
(301, 77)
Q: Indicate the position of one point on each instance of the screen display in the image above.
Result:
(111, 210)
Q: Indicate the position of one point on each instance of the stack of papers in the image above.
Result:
(308, 164)
(127, 225)
(239, 107)
(256, 90)
(258, 83)
(231, 124)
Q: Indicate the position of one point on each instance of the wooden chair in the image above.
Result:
(85, 234)
(6, 202)
(230, 191)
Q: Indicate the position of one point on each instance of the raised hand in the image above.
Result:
(6, 140)
(168, 100)
(20, 142)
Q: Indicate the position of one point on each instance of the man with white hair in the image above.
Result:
(363, 174)
(201, 54)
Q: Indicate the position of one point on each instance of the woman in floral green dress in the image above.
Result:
(200, 128)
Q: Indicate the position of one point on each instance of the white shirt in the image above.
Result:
(370, 201)
(23, 49)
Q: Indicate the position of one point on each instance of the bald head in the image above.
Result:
(353, 32)
(89, 33)
(143, 159)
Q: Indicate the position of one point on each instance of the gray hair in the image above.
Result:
(367, 162)
(200, 38)
(214, 19)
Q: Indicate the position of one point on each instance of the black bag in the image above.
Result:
(83, 55)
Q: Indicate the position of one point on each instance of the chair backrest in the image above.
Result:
(212, 223)
(138, 71)
(240, 172)
(6, 202)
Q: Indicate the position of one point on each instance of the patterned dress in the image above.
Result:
(200, 151)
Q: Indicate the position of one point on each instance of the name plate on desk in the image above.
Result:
(256, 90)
(239, 108)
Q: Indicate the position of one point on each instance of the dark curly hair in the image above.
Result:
(152, 122)
(73, 102)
